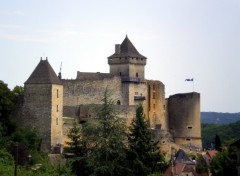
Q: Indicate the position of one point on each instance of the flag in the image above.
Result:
(189, 79)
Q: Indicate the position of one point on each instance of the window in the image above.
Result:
(164, 107)
(118, 102)
(154, 95)
(57, 108)
(120, 73)
(137, 75)
(57, 94)
(189, 127)
(56, 121)
(188, 139)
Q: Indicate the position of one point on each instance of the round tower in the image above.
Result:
(184, 119)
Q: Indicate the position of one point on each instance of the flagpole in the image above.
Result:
(193, 85)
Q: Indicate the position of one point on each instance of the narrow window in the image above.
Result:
(118, 102)
(188, 139)
(189, 127)
(57, 108)
(120, 73)
(57, 94)
(164, 107)
(154, 95)
(137, 75)
(56, 121)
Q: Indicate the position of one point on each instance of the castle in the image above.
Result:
(50, 100)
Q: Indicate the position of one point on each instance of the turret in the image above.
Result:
(127, 62)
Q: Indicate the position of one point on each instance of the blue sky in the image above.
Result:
(182, 39)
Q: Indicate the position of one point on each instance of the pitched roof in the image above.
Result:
(181, 157)
(127, 49)
(43, 74)
(211, 153)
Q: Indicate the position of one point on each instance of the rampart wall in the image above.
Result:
(82, 92)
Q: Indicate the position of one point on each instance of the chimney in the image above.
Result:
(117, 49)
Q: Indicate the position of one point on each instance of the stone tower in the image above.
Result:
(129, 64)
(184, 119)
(43, 98)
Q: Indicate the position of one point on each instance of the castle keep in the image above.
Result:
(50, 100)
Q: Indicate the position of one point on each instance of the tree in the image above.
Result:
(100, 144)
(224, 163)
(18, 90)
(146, 157)
(218, 145)
(107, 137)
(6, 106)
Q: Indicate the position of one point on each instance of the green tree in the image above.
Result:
(218, 144)
(224, 163)
(145, 157)
(6, 106)
(18, 90)
(107, 139)
(27, 136)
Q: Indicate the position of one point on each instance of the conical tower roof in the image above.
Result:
(127, 49)
(43, 74)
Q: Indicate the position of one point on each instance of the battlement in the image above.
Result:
(93, 76)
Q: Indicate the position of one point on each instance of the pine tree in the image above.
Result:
(107, 139)
(218, 145)
(145, 157)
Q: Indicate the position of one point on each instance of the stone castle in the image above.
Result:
(50, 101)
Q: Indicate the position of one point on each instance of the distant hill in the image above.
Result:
(219, 118)
(227, 133)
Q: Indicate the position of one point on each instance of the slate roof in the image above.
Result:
(43, 74)
(181, 157)
(127, 49)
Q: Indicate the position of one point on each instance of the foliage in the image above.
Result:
(27, 136)
(218, 144)
(100, 145)
(5, 158)
(76, 143)
(227, 132)
(201, 166)
(144, 153)
(18, 90)
(107, 137)
(224, 163)
(6, 106)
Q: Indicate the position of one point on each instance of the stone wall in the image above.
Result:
(157, 107)
(37, 111)
(56, 114)
(184, 118)
(82, 92)
(130, 67)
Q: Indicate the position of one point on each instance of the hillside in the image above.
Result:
(226, 132)
(219, 118)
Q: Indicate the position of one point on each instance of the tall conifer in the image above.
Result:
(145, 154)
